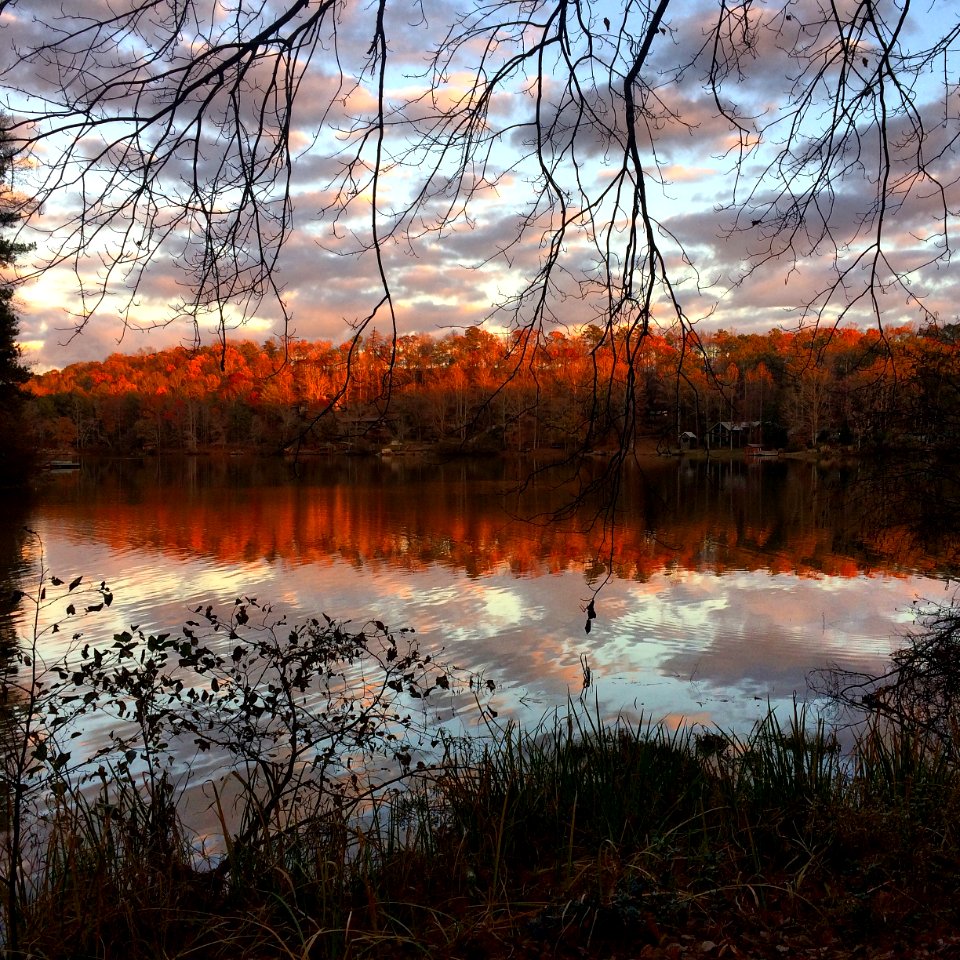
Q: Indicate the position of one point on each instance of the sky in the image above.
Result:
(748, 235)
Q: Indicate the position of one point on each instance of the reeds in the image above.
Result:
(351, 827)
(578, 834)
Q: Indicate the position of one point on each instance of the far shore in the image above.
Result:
(645, 448)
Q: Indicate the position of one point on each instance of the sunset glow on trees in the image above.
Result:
(846, 388)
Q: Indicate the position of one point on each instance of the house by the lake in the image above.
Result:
(734, 434)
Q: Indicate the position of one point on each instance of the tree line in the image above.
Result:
(476, 390)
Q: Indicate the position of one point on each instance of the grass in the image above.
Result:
(577, 838)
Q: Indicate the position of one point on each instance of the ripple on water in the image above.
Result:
(672, 641)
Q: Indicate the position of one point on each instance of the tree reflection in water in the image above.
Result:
(729, 580)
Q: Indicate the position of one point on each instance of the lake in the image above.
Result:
(722, 584)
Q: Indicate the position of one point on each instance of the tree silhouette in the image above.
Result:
(203, 140)
(16, 462)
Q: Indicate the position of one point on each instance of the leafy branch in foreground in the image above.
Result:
(301, 721)
(301, 715)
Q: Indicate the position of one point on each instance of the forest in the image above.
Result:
(863, 390)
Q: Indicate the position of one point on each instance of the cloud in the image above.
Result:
(768, 636)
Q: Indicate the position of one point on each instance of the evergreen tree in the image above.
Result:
(16, 459)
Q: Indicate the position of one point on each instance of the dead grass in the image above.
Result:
(573, 840)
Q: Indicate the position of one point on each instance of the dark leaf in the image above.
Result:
(74, 584)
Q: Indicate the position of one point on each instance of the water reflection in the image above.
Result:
(14, 569)
(730, 581)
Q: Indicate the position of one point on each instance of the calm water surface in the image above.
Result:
(728, 582)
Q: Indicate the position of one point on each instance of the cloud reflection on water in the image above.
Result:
(697, 620)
